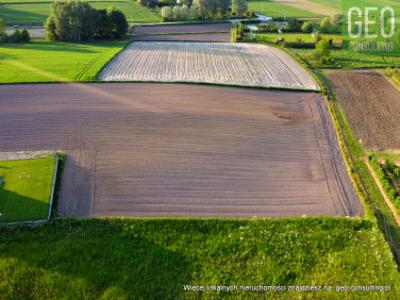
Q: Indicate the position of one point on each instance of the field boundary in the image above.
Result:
(385, 197)
(373, 209)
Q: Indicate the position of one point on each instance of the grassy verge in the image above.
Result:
(35, 13)
(388, 173)
(42, 61)
(355, 158)
(153, 259)
(26, 193)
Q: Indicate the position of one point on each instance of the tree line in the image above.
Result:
(204, 9)
(76, 21)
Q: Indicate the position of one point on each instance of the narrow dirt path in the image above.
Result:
(387, 200)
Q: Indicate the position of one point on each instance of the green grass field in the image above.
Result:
(28, 13)
(27, 189)
(153, 259)
(329, 3)
(42, 61)
(273, 9)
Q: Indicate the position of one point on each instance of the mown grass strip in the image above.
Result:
(27, 191)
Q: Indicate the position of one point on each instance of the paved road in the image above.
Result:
(182, 150)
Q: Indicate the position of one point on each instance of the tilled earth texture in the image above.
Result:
(214, 63)
(192, 32)
(372, 106)
(140, 149)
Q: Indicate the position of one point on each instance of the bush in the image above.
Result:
(292, 25)
(307, 27)
(330, 25)
(18, 36)
(2, 27)
(166, 13)
(299, 45)
(239, 7)
(118, 23)
(269, 27)
(25, 37)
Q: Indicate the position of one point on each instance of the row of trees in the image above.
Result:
(75, 21)
(18, 36)
(204, 9)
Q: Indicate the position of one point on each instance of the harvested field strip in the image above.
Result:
(372, 106)
(183, 150)
(217, 63)
(310, 6)
(171, 29)
(197, 37)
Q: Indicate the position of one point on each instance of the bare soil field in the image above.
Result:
(192, 28)
(216, 63)
(372, 106)
(141, 149)
(193, 37)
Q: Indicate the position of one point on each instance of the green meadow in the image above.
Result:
(155, 258)
(36, 12)
(43, 61)
(26, 192)
(275, 9)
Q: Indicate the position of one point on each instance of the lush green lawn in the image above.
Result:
(274, 9)
(42, 61)
(27, 189)
(28, 13)
(153, 259)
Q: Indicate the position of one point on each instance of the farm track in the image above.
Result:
(138, 149)
(216, 63)
(189, 37)
(372, 106)
(193, 28)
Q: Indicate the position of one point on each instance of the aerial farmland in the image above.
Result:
(196, 149)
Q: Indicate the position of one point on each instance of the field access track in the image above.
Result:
(216, 63)
(140, 149)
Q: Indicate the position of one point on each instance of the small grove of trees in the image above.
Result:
(177, 12)
(331, 24)
(203, 9)
(75, 21)
(18, 36)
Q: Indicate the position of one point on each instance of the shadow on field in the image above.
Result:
(95, 258)
(16, 207)
(20, 17)
(75, 196)
(49, 46)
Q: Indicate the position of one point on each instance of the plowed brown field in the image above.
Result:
(372, 106)
(182, 150)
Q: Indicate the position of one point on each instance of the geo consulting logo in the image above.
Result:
(371, 26)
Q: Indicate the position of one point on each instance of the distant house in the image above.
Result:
(263, 19)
